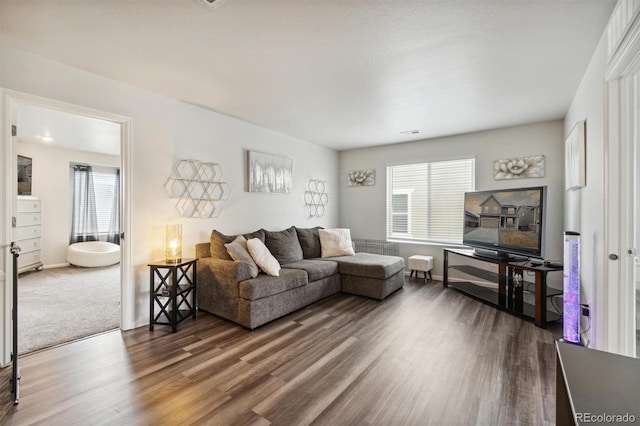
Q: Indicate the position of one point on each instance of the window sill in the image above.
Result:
(427, 243)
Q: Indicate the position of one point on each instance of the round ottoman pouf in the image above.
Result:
(92, 254)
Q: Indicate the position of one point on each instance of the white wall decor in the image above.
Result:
(519, 168)
(316, 197)
(361, 178)
(197, 188)
(270, 173)
(574, 157)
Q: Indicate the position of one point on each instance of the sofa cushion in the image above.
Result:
(369, 265)
(259, 234)
(218, 240)
(239, 252)
(335, 242)
(284, 245)
(315, 269)
(310, 242)
(267, 285)
(263, 258)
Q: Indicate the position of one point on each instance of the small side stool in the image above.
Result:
(422, 263)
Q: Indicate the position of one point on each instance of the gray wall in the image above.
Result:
(363, 209)
(584, 209)
(51, 182)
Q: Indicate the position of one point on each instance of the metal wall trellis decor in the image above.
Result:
(198, 189)
(316, 197)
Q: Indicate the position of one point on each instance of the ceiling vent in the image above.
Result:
(213, 3)
(410, 132)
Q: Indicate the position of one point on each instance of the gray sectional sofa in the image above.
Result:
(226, 288)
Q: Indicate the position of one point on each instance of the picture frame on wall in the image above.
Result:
(270, 173)
(25, 168)
(574, 157)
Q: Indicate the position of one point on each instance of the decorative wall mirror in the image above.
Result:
(24, 175)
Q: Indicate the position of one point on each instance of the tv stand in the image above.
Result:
(507, 288)
(498, 255)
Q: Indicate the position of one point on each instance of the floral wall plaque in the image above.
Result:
(361, 178)
(519, 168)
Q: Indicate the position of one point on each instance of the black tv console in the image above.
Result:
(507, 288)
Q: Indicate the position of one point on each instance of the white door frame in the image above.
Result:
(620, 194)
(9, 169)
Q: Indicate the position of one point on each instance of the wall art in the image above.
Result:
(270, 173)
(361, 178)
(197, 188)
(519, 168)
(575, 174)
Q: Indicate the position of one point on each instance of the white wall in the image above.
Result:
(363, 209)
(51, 183)
(585, 207)
(165, 130)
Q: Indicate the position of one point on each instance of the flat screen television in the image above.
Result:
(505, 223)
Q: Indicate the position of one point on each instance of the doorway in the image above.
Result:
(63, 303)
(26, 142)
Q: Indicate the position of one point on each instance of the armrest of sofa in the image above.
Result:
(218, 285)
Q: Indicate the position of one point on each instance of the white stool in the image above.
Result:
(418, 262)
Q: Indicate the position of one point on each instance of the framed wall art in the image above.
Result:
(270, 173)
(575, 175)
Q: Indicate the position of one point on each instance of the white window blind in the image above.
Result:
(104, 185)
(425, 202)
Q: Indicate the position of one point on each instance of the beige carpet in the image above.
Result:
(63, 304)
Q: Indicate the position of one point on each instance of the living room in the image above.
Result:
(159, 130)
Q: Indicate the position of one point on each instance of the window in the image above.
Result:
(401, 212)
(425, 202)
(95, 203)
(104, 185)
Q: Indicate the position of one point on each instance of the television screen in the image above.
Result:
(506, 221)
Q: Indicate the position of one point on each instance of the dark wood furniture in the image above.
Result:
(595, 387)
(507, 288)
(173, 291)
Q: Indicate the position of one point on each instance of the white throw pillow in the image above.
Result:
(263, 257)
(336, 242)
(238, 251)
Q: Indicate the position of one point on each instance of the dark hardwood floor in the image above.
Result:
(425, 355)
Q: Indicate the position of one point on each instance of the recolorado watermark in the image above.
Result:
(605, 418)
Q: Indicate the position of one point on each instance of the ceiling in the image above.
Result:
(64, 130)
(340, 73)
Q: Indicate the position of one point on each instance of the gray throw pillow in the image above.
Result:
(218, 240)
(259, 234)
(310, 242)
(284, 245)
(238, 251)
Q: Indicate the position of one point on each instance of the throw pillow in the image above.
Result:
(263, 258)
(336, 242)
(284, 245)
(259, 234)
(218, 240)
(310, 242)
(238, 251)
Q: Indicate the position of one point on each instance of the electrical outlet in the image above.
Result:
(585, 310)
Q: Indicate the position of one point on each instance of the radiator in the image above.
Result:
(376, 246)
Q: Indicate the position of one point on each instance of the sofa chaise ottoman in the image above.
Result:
(227, 288)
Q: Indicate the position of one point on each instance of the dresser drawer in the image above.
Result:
(26, 219)
(29, 245)
(28, 205)
(31, 258)
(27, 232)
